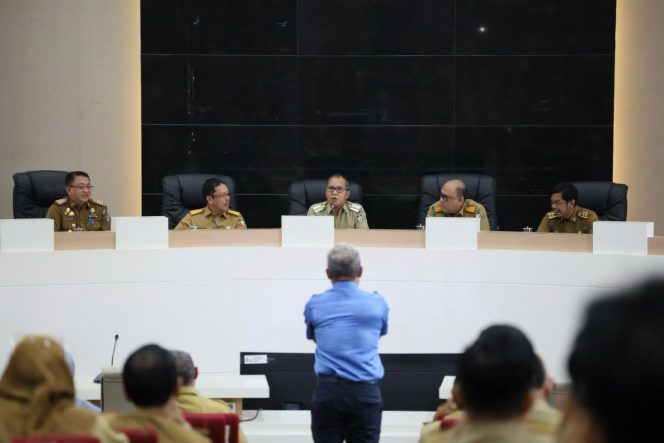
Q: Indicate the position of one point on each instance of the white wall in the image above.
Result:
(70, 95)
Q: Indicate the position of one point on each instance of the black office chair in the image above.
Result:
(607, 199)
(305, 193)
(481, 188)
(35, 191)
(183, 192)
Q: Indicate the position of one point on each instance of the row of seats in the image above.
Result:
(35, 191)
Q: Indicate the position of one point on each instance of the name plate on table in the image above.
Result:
(445, 388)
(616, 237)
(303, 231)
(26, 235)
(140, 232)
(451, 232)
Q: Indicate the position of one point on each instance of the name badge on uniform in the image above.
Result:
(91, 218)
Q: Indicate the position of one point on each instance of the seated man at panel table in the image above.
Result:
(347, 215)
(616, 366)
(79, 211)
(151, 383)
(453, 203)
(566, 216)
(217, 213)
(495, 376)
(189, 399)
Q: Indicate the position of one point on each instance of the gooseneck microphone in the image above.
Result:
(115, 343)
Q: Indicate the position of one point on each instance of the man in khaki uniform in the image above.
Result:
(216, 215)
(151, 383)
(566, 216)
(189, 399)
(79, 211)
(453, 203)
(495, 376)
(347, 215)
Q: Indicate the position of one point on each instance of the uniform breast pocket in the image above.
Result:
(93, 223)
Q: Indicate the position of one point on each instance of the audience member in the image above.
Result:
(189, 399)
(616, 367)
(151, 383)
(37, 395)
(495, 377)
(346, 322)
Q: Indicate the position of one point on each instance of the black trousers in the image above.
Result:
(343, 410)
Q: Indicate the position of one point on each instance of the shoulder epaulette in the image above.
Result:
(355, 207)
(96, 202)
(236, 213)
(470, 209)
(318, 207)
(551, 214)
(61, 201)
(196, 211)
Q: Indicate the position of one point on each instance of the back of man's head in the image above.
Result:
(185, 367)
(618, 360)
(496, 373)
(343, 261)
(150, 376)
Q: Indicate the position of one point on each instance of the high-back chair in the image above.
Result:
(304, 193)
(607, 199)
(35, 191)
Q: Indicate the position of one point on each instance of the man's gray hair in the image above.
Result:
(343, 261)
(184, 365)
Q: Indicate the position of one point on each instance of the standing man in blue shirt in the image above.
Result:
(346, 323)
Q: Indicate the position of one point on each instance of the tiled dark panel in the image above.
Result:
(531, 160)
(391, 212)
(151, 204)
(221, 90)
(218, 27)
(383, 159)
(535, 26)
(517, 212)
(534, 90)
(376, 27)
(262, 159)
(263, 211)
(375, 90)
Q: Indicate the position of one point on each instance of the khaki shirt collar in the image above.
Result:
(189, 390)
(328, 208)
(208, 212)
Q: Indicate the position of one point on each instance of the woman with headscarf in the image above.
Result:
(37, 395)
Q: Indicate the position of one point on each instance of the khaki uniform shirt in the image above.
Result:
(204, 219)
(351, 216)
(92, 216)
(580, 221)
(189, 400)
(470, 208)
(470, 432)
(167, 429)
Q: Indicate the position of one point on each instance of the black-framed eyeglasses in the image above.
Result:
(81, 187)
(222, 195)
(336, 189)
(445, 197)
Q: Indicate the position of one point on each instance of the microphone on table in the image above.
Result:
(97, 379)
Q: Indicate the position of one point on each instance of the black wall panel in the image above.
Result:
(381, 90)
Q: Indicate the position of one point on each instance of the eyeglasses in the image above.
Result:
(445, 197)
(81, 187)
(223, 195)
(336, 189)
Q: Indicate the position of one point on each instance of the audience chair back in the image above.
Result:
(305, 193)
(481, 188)
(35, 191)
(140, 435)
(220, 428)
(57, 439)
(607, 199)
(182, 193)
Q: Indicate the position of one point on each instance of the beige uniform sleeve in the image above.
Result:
(54, 214)
(484, 220)
(430, 212)
(241, 223)
(311, 210)
(544, 224)
(105, 220)
(185, 223)
(363, 223)
(593, 218)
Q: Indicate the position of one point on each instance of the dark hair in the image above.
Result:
(496, 372)
(567, 191)
(71, 176)
(539, 376)
(150, 377)
(618, 359)
(340, 176)
(210, 185)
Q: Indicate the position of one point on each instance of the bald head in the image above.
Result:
(452, 196)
